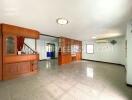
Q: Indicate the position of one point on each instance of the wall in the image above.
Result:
(129, 53)
(30, 42)
(41, 48)
(107, 52)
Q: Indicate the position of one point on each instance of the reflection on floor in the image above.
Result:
(76, 81)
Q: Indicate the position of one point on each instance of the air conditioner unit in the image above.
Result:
(101, 41)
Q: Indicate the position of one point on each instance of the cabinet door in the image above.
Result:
(23, 67)
(9, 70)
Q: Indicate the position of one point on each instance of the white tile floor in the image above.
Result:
(80, 80)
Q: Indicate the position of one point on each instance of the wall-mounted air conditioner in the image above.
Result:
(101, 41)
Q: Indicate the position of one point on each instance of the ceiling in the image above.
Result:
(87, 18)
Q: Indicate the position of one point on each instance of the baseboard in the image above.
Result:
(47, 59)
(104, 62)
(129, 85)
(43, 60)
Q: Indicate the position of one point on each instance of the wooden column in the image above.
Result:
(0, 53)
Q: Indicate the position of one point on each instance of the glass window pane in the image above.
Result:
(89, 48)
(10, 45)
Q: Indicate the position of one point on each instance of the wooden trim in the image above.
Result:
(19, 31)
(49, 35)
(1, 52)
(20, 58)
(2, 49)
(104, 62)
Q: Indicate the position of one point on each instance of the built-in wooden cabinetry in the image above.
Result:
(0, 53)
(69, 50)
(12, 63)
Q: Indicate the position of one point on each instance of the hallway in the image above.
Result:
(82, 80)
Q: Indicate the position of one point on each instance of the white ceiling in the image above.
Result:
(87, 18)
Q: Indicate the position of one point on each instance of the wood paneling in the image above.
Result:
(65, 50)
(20, 58)
(15, 69)
(34, 65)
(13, 65)
(19, 31)
(78, 56)
(0, 54)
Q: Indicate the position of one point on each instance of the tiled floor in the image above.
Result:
(81, 80)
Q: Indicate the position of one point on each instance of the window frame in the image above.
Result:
(92, 50)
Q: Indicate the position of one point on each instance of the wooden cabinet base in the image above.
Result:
(64, 59)
(14, 70)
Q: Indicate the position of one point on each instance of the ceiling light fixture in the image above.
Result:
(62, 21)
(93, 37)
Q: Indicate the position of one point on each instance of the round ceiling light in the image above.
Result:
(62, 21)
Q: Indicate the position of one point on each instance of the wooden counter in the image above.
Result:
(11, 64)
(20, 58)
(19, 65)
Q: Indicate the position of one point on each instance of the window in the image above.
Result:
(89, 48)
(10, 45)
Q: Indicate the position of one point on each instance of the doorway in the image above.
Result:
(50, 50)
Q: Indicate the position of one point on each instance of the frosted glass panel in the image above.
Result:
(10, 45)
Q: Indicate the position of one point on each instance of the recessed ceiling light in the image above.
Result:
(62, 21)
(93, 37)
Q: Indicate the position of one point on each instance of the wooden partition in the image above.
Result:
(69, 50)
(0, 53)
(14, 64)
(19, 31)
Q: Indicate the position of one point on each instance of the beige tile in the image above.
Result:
(54, 90)
(69, 82)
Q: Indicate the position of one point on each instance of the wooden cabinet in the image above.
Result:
(12, 64)
(15, 69)
(15, 66)
(78, 56)
(69, 50)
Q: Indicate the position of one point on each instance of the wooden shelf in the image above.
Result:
(65, 53)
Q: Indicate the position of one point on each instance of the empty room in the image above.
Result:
(65, 50)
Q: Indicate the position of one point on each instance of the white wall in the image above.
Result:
(129, 54)
(107, 52)
(30, 42)
(41, 48)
